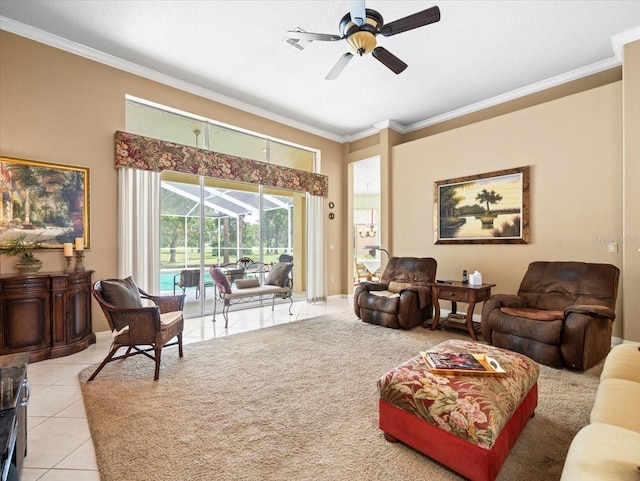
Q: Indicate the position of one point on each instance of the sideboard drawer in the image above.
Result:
(452, 294)
(26, 285)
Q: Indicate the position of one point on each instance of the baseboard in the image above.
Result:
(102, 335)
(618, 340)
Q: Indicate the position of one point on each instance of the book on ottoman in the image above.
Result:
(462, 364)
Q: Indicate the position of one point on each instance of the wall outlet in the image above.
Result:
(331, 279)
(613, 247)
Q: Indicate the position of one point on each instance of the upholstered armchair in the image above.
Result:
(562, 315)
(402, 298)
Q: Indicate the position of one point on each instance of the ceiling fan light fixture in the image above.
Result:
(362, 42)
(362, 38)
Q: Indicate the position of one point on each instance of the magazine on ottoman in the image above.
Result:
(462, 364)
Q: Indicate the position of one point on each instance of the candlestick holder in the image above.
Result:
(68, 269)
(79, 258)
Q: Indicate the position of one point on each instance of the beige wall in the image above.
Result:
(573, 145)
(58, 107)
(631, 159)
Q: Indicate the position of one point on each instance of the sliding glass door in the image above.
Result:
(206, 221)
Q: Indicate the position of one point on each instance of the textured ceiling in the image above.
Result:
(236, 50)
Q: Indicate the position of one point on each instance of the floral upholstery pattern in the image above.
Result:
(145, 153)
(471, 407)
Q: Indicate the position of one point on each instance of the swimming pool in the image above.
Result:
(167, 276)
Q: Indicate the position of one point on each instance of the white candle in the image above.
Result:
(79, 243)
(68, 249)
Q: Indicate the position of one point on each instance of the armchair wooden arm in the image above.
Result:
(165, 303)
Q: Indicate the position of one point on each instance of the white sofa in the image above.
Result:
(609, 448)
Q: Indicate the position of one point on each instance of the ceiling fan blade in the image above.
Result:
(326, 37)
(358, 12)
(418, 19)
(339, 66)
(390, 60)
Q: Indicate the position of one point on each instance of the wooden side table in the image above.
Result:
(456, 291)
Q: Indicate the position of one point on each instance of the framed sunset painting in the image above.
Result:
(491, 208)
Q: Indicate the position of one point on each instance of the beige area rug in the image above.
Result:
(296, 401)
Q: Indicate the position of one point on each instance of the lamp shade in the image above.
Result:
(362, 42)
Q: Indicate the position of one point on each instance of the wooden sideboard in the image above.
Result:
(47, 314)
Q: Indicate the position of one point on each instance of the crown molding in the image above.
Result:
(620, 40)
(377, 127)
(519, 93)
(391, 124)
(92, 54)
(360, 135)
(498, 99)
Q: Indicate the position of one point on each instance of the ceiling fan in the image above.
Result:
(360, 26)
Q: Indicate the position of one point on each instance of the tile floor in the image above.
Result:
(59, 442)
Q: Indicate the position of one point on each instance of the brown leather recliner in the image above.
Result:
(402, 298)
(562, 315)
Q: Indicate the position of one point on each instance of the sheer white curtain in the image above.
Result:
(316, 290)
(139, 227)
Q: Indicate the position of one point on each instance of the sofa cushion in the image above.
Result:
(383, 301)
(602, 451)
(257, 291)
(612, 396)
(417, 271)
(279, 274)
(547, 332)
(220, 280)
(558, 285)
(623, 362)
(536, 314)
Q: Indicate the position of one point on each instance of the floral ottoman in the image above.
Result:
(467, 423)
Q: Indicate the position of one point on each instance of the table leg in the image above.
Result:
(472, 332)
(436, 311)
(469, 317)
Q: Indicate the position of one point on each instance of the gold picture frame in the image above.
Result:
(43, 201)
(463, 212)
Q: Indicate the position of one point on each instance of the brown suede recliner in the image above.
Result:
(562, 315)
(402, 298)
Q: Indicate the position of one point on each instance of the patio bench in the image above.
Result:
(248, 281)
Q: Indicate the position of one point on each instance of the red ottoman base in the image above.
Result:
(460, 455)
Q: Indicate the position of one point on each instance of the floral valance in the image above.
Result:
(145, 153)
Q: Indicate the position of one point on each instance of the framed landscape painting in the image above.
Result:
(44, 202)
(491, 208)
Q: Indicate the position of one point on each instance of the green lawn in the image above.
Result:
(193, 257)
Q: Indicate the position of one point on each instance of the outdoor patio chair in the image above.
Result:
(187, 278)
